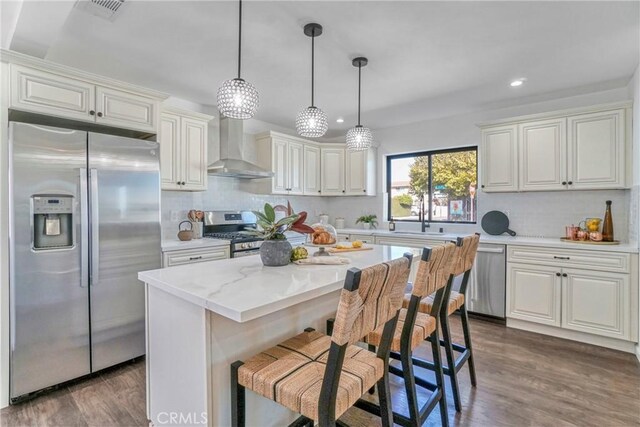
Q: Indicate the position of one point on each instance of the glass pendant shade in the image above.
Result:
(237, 99)
(312, 122)
(359, 138)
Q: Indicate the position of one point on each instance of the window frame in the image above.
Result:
(429, 154)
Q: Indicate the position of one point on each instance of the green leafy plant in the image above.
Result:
(270, 229)
(368, 219)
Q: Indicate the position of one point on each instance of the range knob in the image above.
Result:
(243, 245)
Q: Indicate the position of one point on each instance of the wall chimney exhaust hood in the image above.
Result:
(231, 163)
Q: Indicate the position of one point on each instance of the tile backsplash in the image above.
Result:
(541, 214)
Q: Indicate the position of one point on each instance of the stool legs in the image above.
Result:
(467, 343)
(437, 361)
(237, 397)
(451, 359)
(410, 386)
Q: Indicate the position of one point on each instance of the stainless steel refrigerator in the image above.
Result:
(84, 219)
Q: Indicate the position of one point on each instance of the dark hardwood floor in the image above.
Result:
(524, 379)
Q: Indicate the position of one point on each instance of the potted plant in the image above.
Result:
(368, 221)
(275, 251)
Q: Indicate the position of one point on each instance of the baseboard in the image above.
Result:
(638, 352)
(616, 344)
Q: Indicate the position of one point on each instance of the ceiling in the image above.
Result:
(426, 59)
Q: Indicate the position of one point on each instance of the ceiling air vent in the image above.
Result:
(107, 9)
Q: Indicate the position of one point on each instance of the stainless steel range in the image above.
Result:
(228, 225)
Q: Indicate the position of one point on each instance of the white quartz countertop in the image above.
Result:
(242, 289)
(178, 245)
(503, 240)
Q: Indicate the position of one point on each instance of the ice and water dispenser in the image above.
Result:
(52, 221)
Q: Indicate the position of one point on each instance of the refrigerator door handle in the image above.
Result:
(84, 229)
(95, 236)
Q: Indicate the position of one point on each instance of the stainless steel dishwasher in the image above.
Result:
(486, 291)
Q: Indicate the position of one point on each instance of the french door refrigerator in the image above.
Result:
(84, 219)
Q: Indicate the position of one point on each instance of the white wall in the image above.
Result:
(534, 214)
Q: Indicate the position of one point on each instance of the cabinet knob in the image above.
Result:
(564, 274)
(482, 186)
(558, 274)
(99, 114)
(343, 191)
(570, 183)
(564, 182)
(92, 113)
(319, 191)
(364, 191)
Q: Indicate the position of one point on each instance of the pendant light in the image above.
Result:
(312, 121)
(359, 138)
(238, 99)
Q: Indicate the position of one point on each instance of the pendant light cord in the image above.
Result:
(313, 38)
(359, 88)
(239, 36)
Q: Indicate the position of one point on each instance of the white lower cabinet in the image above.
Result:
(596, 302)
(597, 298)
(533, 293)
(192, 256)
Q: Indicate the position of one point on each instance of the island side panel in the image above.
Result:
(177, 360)
(231, 341)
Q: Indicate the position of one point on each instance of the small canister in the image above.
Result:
(339, 222)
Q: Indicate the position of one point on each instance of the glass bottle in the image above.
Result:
(607, 227)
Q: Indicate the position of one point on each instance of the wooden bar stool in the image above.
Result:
(467, 249)
(412, 329)
(321, 376)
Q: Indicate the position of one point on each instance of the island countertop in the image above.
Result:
(242, 289)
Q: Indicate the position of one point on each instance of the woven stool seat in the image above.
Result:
(456, 300)
(423, 327)
(291, 373)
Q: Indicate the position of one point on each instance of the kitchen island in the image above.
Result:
(202, 317)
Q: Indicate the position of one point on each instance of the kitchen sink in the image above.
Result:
(420, 233)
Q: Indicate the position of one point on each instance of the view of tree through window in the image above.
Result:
(442, 184)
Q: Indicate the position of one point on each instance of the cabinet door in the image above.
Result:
(597, 303)
(311, 170)
(597, 150)
(295, 158)
(46, 93)
(356, 173)
(123, 109)
(543, 155)
(499, 157)
(193, 141)
(280, 166)
(332, 164)
(533, 293)
(169, 139)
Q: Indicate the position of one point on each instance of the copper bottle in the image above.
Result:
(607, 227)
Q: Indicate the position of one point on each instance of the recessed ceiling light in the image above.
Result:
(517, 82)
(340, 120)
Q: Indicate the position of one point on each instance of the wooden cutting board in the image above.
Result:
(336, 250)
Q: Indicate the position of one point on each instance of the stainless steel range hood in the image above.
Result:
(231, 163)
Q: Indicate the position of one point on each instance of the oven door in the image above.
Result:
(245, 253)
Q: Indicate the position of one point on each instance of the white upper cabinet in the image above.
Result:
(123, 109)
(597, 150)
(543, 155)
(311, 169)
(69, 96)
(580, 149)
(183, 150)
(41, 92)
(296, 167)
(170, 160)
(333, 171)
(499, 154)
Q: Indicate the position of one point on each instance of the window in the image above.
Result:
(439, 184)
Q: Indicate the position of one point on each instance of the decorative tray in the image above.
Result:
(590, 242)
(340, 250)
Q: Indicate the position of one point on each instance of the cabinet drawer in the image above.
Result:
(410, 243)
(362, 237)
(589, 260)
(193, 256)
